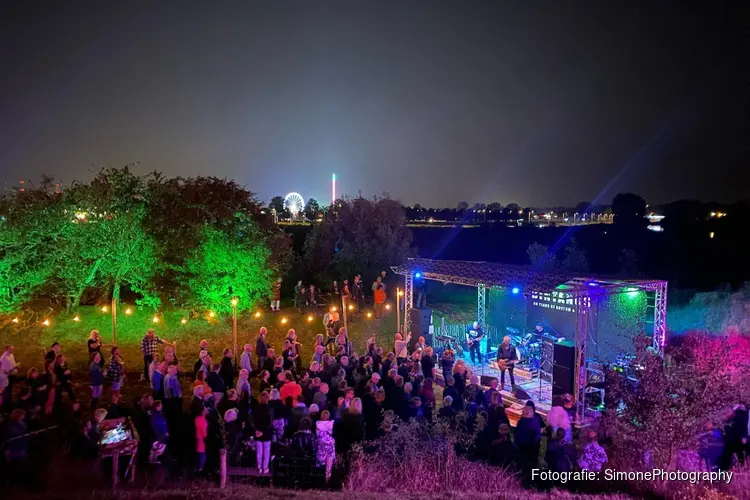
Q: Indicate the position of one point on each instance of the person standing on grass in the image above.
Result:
(54, 350)
(227, 368)
(246, 360)
(262, 419)
(96, 379)
(261, 347)
(149, 345)
(95, 345)
(64, 376)
(116, 371)
(8, 369)
(201, 433)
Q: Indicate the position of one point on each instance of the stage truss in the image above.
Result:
(527, 280)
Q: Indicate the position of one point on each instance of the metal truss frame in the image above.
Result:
(481, 298)
(582, 305)
(660, 317)
(408, 302)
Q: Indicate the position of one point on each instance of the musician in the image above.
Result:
(506, 358)
(473, 339)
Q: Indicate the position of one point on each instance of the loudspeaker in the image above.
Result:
(421, 317)
(486, 380)
(519, 393)
(563, 369)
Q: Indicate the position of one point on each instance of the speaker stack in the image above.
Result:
(420, 325)
(563, 369)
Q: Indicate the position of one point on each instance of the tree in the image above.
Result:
(360, 236)
(540, 258)
(628, 263)
(226, 266)
(462, 206)
(312, 209)
(511, 210)
(494, 206)
(575, 259)
(629, 210)
(479, 206)
(582, 207)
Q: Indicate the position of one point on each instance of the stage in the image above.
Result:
(540, 394)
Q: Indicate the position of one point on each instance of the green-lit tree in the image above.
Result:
(226, 266)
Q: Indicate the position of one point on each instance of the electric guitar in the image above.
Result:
(474, 337)
(503, 364)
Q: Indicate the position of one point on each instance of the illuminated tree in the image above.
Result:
(226, 266)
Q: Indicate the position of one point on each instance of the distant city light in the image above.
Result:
(711, 235)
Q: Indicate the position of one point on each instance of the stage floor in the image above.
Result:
(540, 394)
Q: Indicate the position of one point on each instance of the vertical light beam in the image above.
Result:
(333, 189)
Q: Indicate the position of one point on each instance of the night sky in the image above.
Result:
(435, 102)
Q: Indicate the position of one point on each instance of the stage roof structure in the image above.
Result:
(527, 281)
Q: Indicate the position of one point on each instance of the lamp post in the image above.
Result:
(114, 320)
(234, 327)
(398, 309)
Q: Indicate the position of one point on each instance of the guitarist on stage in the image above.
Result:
(506, 358)
(473, 339)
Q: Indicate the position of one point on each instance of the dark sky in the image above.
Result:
(539, 103)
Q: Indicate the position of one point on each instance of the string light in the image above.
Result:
(234, 302)
(45, 322)
(283, 321)
(104, 309)
(183, 321)
(369, 315)
(309, 318)
(257, 314)
(351, 307)
(388, 307)
(333, 309)
(128, 311)
(76, 318)
(15, 320)
(400, 293)
(155, 319)
(211, 314)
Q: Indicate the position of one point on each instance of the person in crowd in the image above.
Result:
(64, 377)
(710, 447)
(216, 384)
(227, 368)
(528, 436)
(49, 387)
(200, 381)
(116, 371)
(157, 380)
(400, 347)
(558, 418)
(593, 457)
(489, 392)
(261, 347)
(201, 433)
(95, 345)
(326, 447)
(246, 360)
(96, 379)
(735, 437)
(276, 301)
(54, 350)
(350, 429)
(243, 385)
(447, 413)
(263, 427)
(290, 389)
(560, 455)
(303, 441)
(172, 394)
(379, 300)
(9, 368)
(149, 345)
(503, 452)
(427, 363)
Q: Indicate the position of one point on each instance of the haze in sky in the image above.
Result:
(435, 102)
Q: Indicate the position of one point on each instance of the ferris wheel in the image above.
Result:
(294, 203)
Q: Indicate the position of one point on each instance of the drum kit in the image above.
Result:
(528, 346)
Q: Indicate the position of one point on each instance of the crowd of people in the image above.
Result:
(271, 403)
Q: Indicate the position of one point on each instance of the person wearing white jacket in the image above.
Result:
(558, 418)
